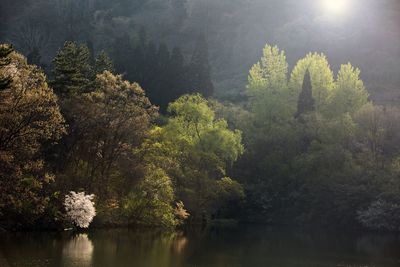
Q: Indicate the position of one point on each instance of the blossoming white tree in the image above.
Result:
(80, 208)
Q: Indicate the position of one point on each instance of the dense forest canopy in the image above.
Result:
(163, 113)
(236, 31)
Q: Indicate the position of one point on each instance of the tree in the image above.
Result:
(123, 55)
(321, 79)
(29, 118)
(103, 63)
(200, 70)
(5, 51)
(150, 203)
(201, 147)
(349, 94)
(267, 87)
(80, 208)
(72, 71)
(177, 72)
(306, 101)
(381, 215)
(107, 124)
(377, 134)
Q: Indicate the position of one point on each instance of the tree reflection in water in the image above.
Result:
(79, 249)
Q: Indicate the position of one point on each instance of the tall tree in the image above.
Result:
(177, 72)
(123, 55)
(29, 118)
(321, 79)
(108, 123)
(102, 63)
(202, 146)
(268, 89)
(306, 101)
(72, 71)
(349, 94)
(200, 70)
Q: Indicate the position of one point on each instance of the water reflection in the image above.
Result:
(180, 243)
(242, 246)
(78, 250)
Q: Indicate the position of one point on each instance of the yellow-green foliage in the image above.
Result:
(349, 93)
(322, 80)
(267, 87)
(201, 146)
(150, 203)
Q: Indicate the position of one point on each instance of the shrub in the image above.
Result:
(381, 215)
(80, 208)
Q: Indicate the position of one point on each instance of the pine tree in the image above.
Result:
(124, 55)
(149, 70)
(34, 57)
(162, 85)
(5, 51)
(306, 102)
(103, 63)
(72, 71)
(200, 70)
(177, 74)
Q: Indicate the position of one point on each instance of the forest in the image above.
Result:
(170, 124)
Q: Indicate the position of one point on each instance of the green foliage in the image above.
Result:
(103, 63)
(204, 146)
(72, 72)
(106, 124)
(341, 156)
(164, 74)
(267, 87)
(321, 78)
(306, 103)
(349, 94)
(200, 69)
(29, 119)
(151, 201)
(337, 158)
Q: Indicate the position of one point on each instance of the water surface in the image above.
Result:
(241, 246)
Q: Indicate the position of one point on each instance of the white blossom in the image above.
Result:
(80, 208)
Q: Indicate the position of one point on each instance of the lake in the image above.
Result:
(236, 246)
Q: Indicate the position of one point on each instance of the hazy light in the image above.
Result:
(335, 7)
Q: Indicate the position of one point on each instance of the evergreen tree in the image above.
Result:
(122, 54)
(5, 51)
(72, 72)
(149, 71)
(177, 75)
(200, 70)
(322, 79)
(103, 63)
(162, 85)
(90, 46)
(34, 57)
(306, 101)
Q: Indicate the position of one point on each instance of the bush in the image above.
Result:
(150, 202)
(80, 208)
(381, 215)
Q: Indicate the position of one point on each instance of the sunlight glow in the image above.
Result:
(335, 7)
